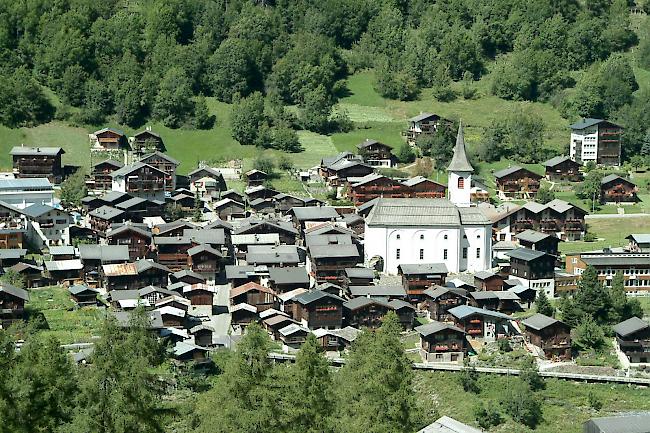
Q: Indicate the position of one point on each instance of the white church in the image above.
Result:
(404, 231)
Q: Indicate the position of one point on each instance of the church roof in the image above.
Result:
(421, 212)
(459, 162)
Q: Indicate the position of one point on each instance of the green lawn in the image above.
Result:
(611, 231)
(64, 321)
(565, 404)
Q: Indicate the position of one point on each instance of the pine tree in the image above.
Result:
(375, 385)
(7, 364)
(542, 304)
(572, 313)
(592, 296)
(197, 214)
(308, 403)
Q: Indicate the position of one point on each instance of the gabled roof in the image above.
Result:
(160, 155)
(436, 291)
(307, 298)
(144, 264)
(33, 151)
(334, 251)
(314, 213)
(361, 302)
(22, 184)
(14, 291)
(209, 170)
(12, 253)
(423, 268)
(446, 424)
(203, 248)
(188, 273)
(247, 287)
(128, 228)
(510, 170)
(128, 169)
(372, 177)
(107, 213)
(418, 180)
(639, 238)
(556, 160)
(463, 311)
(114, 163)
(114, 196)
(623, 423)
(422, 116)
(367, 143)
(539, 322)
(345, 163)
(460, 162)
(63, 265)
(587, 122)
(525, 254)
(113, 130)
(37, 210)
(154, 289)
(434, 327)
(293, 328)
(147, 132)
(359, 272)
(130, 203)
(289, 275)
(630, 326)
(533, 236)
(80, 288)
(484, 275)
(104, 252)
(612, 177)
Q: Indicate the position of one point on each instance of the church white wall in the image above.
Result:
(384, 242)
(460, 197)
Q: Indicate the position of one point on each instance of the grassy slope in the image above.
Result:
(565, 404)
(610, 231)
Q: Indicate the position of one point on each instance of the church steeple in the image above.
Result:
(460, 162)
(460, 173)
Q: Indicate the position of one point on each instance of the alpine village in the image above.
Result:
(345, 216)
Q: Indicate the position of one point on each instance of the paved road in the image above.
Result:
(221, 320)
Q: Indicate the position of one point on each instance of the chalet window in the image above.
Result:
(464, 253)
(421, 236)
(444, 254)
(478, 253)
(397, 253)
(445, 237)
(461, 183)
(421, 254)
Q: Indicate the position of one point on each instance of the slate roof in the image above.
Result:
(616, 259)
(62, 250)
(160, 155)
(446, 424)
(12, 253)
(361, 302)
(624, 423)
(368, 143)
(435, 326)
(107, 213)
(36, 210)
(80, 288)
(63, 265)
(23, 184)
(422, 116)
(640, 238)
(630, 326)
(187, 273)
(525, 254)
(436, 291)
(14, 291)
(247, 287)
(315, 213)
(129, 228)
(272, 254)
(417, 180)
(377, 291)
(203, 248)
(293, 329)
(217, 174)
(128, 169)
(586, 123)
(423, 268)
(532, 236)
(315, 295)
(112, 162)
(460, 162)
(104, 252)
(289, 275)
(612, 177)
(132, 202)
(463, 311)
(422, 212)
(34, 151)
(539, 322)
(333, 250)
(359, 272)
(342, 164)
(556, 160)
(510, 170)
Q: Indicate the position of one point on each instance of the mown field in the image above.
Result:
(565, 404)
(611, 232)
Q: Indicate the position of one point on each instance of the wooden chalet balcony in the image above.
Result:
(549, 224)
(524, 224)
(474, 331)
(573, 225)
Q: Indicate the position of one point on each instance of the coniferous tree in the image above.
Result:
(543, 305)
(592, 296)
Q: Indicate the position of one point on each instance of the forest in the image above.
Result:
(284, 63)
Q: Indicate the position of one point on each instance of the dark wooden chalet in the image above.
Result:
(441, 342)
(318, 309)
(553, 336)
(374, 186)
(210, 173)
(32, 274)
(562, 169)
(205, 260)
(137, 238)
(12, 303)
(283, 280)
(141, 180)
(328, 262)
(421, 187)
(529, 264)
(486, 280)
(358, 276)
(174, 228)
(273, 324)
(243, 314)
(228, 208)
(517, 182)
(293, 336)
(262, 206)
(336, 340)
(100, 176)
(147, 141)
(633, 338)
(504, 301)
(480, 323)
(203, 335)
(108, 139)
(134, 276)
(172, 251)
(83, 295)
(365, 312)
(101, 219)
(418, 277)
(187, 352)
(186, 276)
(615, 189)
(439, 300)
(255, 177)
(172, 317)
(64, 272)
(424, 124)
(199, 294)
(164, 163)
(539, 241)
(376, 154)
(263, 298)
(338, 173)
(286, 231)
(260, 191)
(38, 162)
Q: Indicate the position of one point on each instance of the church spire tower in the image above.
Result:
(460, 173)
